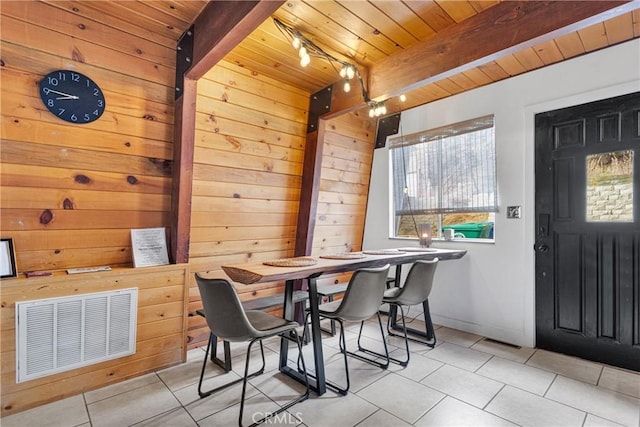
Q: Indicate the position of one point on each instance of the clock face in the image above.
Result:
(72, 96)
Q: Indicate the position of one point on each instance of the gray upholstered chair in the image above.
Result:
(415, 290)
(361, 301)
(229, 321)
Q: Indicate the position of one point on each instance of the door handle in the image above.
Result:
(542, 248)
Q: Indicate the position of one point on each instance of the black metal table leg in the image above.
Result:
(428, 333)
(318, 385)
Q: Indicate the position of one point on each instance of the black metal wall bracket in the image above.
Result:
(184, 59)
(319, 104)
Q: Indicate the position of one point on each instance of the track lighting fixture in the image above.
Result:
(307, 48)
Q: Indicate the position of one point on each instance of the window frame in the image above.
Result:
(439, 136)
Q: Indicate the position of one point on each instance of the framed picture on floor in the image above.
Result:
(7, 259)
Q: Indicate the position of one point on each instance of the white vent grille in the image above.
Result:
(59, 334)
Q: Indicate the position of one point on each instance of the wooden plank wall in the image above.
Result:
(71, 193)
(159, 335)
(349, 142)
(344, 183)
(250, 135)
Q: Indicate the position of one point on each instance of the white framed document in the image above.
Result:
(7, 259)
(149, 247)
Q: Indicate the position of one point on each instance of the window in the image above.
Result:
(446, 177)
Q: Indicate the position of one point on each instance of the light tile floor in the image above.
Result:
(465, 381)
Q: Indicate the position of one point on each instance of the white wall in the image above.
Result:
(490, 291)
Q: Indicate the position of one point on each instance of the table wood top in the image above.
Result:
(257, 272)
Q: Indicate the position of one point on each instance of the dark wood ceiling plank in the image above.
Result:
(496, 32)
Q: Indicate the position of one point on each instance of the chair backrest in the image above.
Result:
(364, 294)
(223, 310)
(418, 284)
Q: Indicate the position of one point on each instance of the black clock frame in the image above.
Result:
(72, 96)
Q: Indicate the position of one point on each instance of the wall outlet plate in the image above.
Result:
(513, 211)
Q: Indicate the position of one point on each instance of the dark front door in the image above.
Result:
(588, 231)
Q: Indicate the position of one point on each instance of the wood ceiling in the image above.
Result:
(368, 32)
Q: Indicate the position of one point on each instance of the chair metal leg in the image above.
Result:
(204, 394)
(342, 343)
(332, 329)
(283, 408)
(386, 357)
(406, 341)
(429, 334)
(226, 363)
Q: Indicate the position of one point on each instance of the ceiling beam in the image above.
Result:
(494, 33)
(221, 26)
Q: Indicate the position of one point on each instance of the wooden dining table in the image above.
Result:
(259, 272)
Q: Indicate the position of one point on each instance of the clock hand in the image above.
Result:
(68, 97)
(47, 91)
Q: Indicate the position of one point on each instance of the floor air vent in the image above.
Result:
(59, 334)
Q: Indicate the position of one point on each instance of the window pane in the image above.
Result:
(610, 187)
(442, 171)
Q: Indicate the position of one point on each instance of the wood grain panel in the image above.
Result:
(160, 340)
(381, 22)
(215, 234)
(233, 144)
(240, 130)
(92, 11)
(61, 134)
(230, 174)
(30, 219)
(594, 37)
(59, 259)
(244, 191)
(122, 104)
(548, 52)
(38, 198)
(270, 117)
(136, 167)
(38, 63)
(19, 32)
(400, 12)
(15, 175)
(54, 239)
(94, 32)
(313, 23)
(570, 45)
(247, 175)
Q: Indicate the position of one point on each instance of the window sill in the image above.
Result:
(455, 241)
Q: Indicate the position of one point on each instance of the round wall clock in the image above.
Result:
(72, 96)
